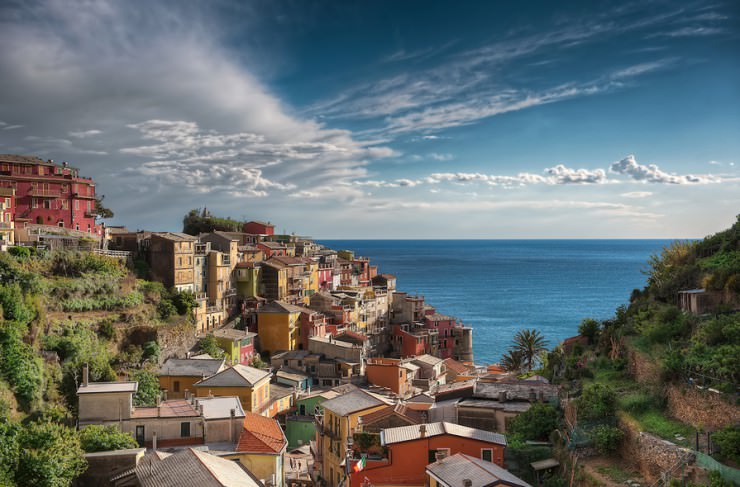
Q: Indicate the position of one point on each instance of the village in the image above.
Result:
(331, 375)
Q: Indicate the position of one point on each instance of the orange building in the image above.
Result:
(412, 448)
(393, 374)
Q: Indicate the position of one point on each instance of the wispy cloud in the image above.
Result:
(85, 133)
(689, 32)
(637, 194)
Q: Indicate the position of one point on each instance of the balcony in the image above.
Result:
(230, 292)
(83, 196)
(91, 214)
(6, 226)
(200, 296)
(44, 193)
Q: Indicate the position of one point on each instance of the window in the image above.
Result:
(185, 430)
(77, 204)
(486, 454)
(176, 386)
(302, 410)
(34, 203)
(65, 205)
(47, 204)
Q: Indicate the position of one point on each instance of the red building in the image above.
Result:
(410, 343)
(412, 448)
(273, 249)
(312, 324)
(326, 276)
(259, 228)
(49, 194)
(444, 326)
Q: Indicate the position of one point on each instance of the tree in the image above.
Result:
(512, 361)
(100, 210)
(589, 328)
(146, 394)
(105, 438)
(50, 455)
(606, 438)
(209, 345)
(534, 424)
(530, 344)
(598, 401)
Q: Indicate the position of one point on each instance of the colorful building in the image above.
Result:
(247, 276)
(412, 448)
(465, 470)
(394, 374)
(278, 326)
(250, 385)
(338, 423)
(50, 194)
(7, 219)
(300, 427)
(261, 449)
(259, 228)
(178, 375)
(238, 344)
(172, 260)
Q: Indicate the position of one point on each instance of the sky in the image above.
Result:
(386, 119)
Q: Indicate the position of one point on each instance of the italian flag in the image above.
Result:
(360, 464)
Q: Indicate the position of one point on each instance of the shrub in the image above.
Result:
(606, 438)
(105, 438)
(184, 302)
(151, 351)
(20, 253)
(598, 401)
(728, 441)
(14, 304)
(50, 455)
(638, 402)
(19, 364)
(536, 423)
(209, 345)
(165, 309)
(148, 390)
(589, 328)
(106, 329)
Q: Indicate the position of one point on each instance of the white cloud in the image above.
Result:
(653, 174)
(13, 127)
(637, 194)
(565, 175)
(441, 157)
(85, 133)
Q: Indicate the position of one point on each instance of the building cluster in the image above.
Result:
(358, 383)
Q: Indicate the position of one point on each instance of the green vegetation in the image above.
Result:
(148, 387)
(606, 438)
(105, 438)
(197, 221)
(208, 344)
(537, 423)
(526, 351)
(728, 442)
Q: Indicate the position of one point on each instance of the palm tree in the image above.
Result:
(511, 361)
(530, 344)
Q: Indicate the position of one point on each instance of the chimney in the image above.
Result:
(154, 441)
(422, 431)
(467, 483)
(187, 394)
(501, 396)
(440, 455)
(200, 409)
(85, 375)
(532, 395)
(164, 394)
(232, 413)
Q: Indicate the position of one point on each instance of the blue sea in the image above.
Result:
(501, 286)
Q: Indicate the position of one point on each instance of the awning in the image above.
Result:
(544, 464)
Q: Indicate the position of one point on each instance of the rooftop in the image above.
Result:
(515, 389)
(412, 415)
(235, 376)
(175, 236)
(283, 307)
(261, 435)
(427, 359)
(233, 333)
(192, 467)
(391, 436)
(455, 366)
(108, 387)
(352, 402)
(454, 470)
(220, 407)
(192, 367)
(174, 408)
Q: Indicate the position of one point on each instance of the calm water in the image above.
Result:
(501, 286)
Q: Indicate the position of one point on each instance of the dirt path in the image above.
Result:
(610, 472)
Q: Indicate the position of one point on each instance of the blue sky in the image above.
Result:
(388, 119)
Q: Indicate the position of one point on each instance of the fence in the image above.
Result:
(728, 473)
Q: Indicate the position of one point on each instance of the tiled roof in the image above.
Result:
(21, 159)
(408, 433)
(273, 245)
(233, 334)
(351, 402)
(174, 408)
(413, 416)
(108, 387)
(192, 367)
(455, 366)
(261, 435)
(235, 376)
(454, 470)
(278, 391)
(427, 359)
(288, 260)
(352, 334)
(193, 467)
(176, 236)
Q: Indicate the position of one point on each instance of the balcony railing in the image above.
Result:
(84, 196)
(201, 296)
(44, 193)
(230, 292)
(6, 226)
(91, 214)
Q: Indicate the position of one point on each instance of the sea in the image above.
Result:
(498, 287)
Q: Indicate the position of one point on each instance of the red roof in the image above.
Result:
(353, 335)
(261, 435)
(456, 367)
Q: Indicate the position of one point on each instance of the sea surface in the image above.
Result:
(501, 286)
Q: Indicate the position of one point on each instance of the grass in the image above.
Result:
(655, 421)
(615, 473)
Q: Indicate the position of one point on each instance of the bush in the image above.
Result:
(598, 401)
(165, 309)
(106, 329)
(209, 345)
(151, 351)
(20, 253)
(76, 264)
(14, 304)
(589, 328)
(19, 364)
(184, 302)
(606, 438)
(536, 423)
(105, 438)
(728, 441)
(148, 388)
(50, 455)
(639, 402)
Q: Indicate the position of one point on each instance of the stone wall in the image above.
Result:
(642, 368)
(176, 340)
(650, 454)
(700, 408)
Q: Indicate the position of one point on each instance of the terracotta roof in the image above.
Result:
(174, 408)
(22, 159)
(261, 435)
(282, 307)
(352, 334)
(455, 366)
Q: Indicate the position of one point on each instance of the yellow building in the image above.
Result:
(251, 385)
(278, 326)
(261, 449)
(178, 375)
(338, 423)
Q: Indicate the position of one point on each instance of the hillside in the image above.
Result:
(659, 369)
